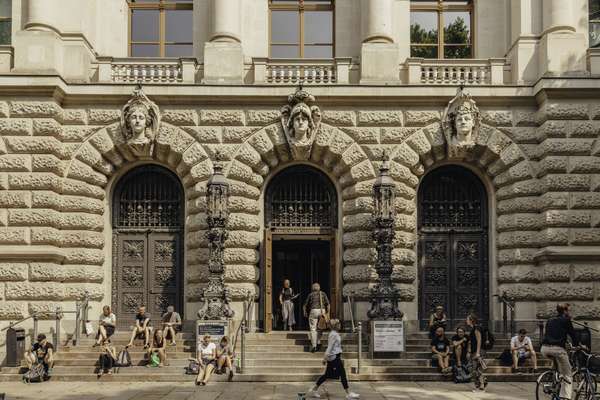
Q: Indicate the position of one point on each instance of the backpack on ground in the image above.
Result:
(123, 359)
(487, 339)
(193, 368)
(461, 374)
(506, 358)
(35, 374)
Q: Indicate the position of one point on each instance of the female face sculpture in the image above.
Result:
(138, 121)
(301, 125)
(464, 124)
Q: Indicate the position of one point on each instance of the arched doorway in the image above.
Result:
(148, 208)
(300, 225)
(453, 244)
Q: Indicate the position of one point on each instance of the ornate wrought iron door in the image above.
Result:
(147, 250)
(453, 244)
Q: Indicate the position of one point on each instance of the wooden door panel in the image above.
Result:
(434, 260)
(163, 262)
(133, 279)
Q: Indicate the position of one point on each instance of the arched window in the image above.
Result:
(301, 29)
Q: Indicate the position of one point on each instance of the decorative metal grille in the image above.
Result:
(454, 202)
(149, 197)
(301, 197)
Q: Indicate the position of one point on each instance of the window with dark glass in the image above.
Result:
(5, 21)
(441, 29)
(594, 11)
(301, 29)
(160, 28)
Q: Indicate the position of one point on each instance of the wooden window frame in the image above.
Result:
(301, 7)
(162, 6)
(440, 8)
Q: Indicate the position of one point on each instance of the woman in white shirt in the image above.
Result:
(333, 359)
(207, 357)
(106, 325)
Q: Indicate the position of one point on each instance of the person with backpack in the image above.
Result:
(335, 365)
(158, 348)
(476, 340)
(316, 309)
(554, 343)
(42, 352)
(107, 359)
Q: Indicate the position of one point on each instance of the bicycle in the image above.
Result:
(549, 383)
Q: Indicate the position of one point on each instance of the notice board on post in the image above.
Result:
(387, 336)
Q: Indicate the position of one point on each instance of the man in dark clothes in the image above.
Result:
(553, 346)
(41, 352)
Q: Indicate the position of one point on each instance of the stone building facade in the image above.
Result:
(513, 207)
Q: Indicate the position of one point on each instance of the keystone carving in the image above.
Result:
(140, 120)
(301, 120)
(461, 124)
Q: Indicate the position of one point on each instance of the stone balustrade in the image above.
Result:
(455, 71)
(301, 71)
(146, 70)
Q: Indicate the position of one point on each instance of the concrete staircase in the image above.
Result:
(273, 357)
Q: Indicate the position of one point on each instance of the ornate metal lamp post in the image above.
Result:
(216, 296)
(384, 296)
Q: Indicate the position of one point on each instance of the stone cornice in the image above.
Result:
(567, 253)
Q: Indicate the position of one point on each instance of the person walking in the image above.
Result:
(315, 307)
(553, 346)
(335, 365)
(287, 306)
(476, 340)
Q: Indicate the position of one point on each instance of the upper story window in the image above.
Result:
(594, 10)
(441, 29)
(301, 29)
(160, 28)
(5, 21)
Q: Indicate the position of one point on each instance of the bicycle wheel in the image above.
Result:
(547, 386)
(584, 386)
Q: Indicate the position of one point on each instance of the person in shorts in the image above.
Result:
(522, 349)
(42, 352)
(141, 328)
(207, 358)
(171, 323)
(224, 357)
(158, 346)
(460, 347)
(106, 325)
(440, 349)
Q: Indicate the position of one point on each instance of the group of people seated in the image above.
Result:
(213, 358)
(457, 351)
(155, 340)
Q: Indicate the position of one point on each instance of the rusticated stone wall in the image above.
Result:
(57, 166)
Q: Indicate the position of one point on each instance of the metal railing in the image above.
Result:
(508, 314)
(243, 329)
(359, 359)
(80, 311)
(350, 300)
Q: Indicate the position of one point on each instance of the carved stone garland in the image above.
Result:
(215, 296)
(384, 296)
(300, 120)
(461, 124)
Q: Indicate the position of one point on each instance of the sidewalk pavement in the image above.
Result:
(259, 391)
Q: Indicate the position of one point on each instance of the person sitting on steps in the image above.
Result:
(159, 346)
(460, 347)
(522, 349)
(206, 355)
(224, 357)
(440, 347)
(141, 328)
(316, 304)
(436, 320)
(171, 322)
(42, 352)
(108, 356)
(106, 325)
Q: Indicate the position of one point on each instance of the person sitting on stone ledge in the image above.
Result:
(206, 355)
(42, 352)
(171, 322)
(159, 346)
(224, 357)
(436, 320)
(106, 325)
(522, 349)
(460, 347)
(440, 348)
(142, 328)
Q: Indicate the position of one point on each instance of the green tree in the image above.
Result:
(418, 35)
(457, 33)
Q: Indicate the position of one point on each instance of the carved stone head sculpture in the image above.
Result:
(140, 120)
(461, 124)
(300, 120)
